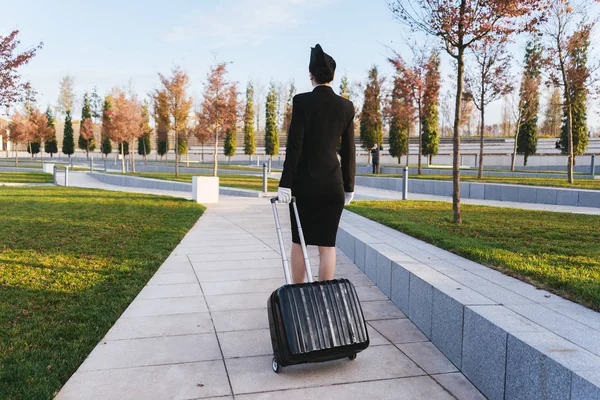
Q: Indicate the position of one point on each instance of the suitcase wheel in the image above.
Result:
(277, 367)
(352, 357)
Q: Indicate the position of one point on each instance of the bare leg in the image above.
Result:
(298, 270)
(326, 263)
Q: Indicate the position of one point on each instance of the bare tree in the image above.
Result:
(66, 96)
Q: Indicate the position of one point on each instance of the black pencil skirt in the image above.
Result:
(320, 209)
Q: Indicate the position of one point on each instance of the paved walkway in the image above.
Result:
(199, 329)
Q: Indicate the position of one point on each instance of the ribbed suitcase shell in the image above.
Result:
(318, 321)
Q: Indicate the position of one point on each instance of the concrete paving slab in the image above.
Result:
(458, 386)
(428, 357)
(167, 291)
(113, 354)
(246, 301)
(414, 388)
(375, 310)
(180, 305)
(175, 381)
(249, 343)
(399, 330)
(173, 278)
(254, 374)
(240, 320)
(240, 287)
(160, 325)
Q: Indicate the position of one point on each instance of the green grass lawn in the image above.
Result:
(71, 261)
(237, 181)
(25, 177)
(579, 183)
(556, 251)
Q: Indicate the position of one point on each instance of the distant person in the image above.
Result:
(375, 158)
(312, 173)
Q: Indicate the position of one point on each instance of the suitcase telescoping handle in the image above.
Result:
(286, 265)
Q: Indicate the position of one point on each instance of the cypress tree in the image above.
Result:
(125, 148)
(106, 146)
(371, 131)
(162, 140)
(51, 146)
(68, 145)
(530, 102)
(86, 114)
(34, 148)
(182, 148)
(430, 119)
(249, 137)
(271, 133)
(229, 145)
(144, 146)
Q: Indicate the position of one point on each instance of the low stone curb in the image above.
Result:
(158, 184)
(490, 191)
(503, 334)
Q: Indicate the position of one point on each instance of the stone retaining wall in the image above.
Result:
(511, 340)
(490, 191)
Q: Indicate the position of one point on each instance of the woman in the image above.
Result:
(312, 172)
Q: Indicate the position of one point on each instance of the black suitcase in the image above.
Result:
(314, 321)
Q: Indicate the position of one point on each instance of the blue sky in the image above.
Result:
(117, 43)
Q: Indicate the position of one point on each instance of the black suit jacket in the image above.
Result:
(319, 119)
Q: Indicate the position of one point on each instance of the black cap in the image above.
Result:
(320, 59)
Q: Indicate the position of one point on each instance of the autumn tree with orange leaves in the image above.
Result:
(459, 25)
(19, 131)
(40, 131)
(219, 108)
(12, 89)
(489, 81)
(123, 124)
(180, 105)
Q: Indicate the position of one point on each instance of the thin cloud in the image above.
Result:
(244, 21)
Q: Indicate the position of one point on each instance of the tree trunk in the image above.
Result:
(176, 154)
(16, 155)
(30, 151)
(570, 142)
(202, 152)
(514, 155)
(400, 159)
(132, 158)
(187, 159)
(407, 143)
(456, 139)
(481, 132)
(122, 157)
(419, 172)
(216, 155)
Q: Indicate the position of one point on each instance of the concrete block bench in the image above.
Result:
(510, 339)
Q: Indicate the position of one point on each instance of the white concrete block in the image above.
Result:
(205, 189)
(48, 168)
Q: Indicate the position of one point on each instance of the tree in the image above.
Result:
(229, 146)
(66, 96)
(144, 147)
(567, 43)
(86, 130)
(552, 115)
(577, 75)
(182, 148)
(123, 148)
(179, 106)
(106, 146)
(371, 131)
(12, 89)
(345, 87)
(51, 145)
(68, 145)
(287, 115)
(431, 100)
(124, 124)
(529, 100)
(529, 103)
(96, 106)
(249, 137)
(19, 130)
(160, 108)
(218, 107)
(271, 133)
(396, 113)
(40, 131)
(490, 81)
(459, 24)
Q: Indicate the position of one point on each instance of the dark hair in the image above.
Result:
(322, 75)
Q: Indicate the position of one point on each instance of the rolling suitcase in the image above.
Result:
(314, 321)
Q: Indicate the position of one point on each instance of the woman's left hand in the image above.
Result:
(349, 197)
